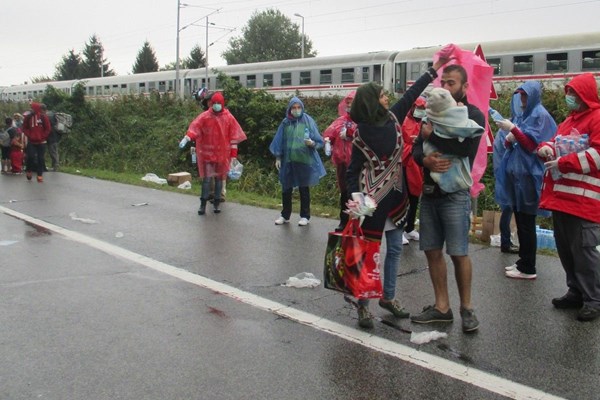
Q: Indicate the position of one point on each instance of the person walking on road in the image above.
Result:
(217, 134)
(574, 199)
(376, 170)
(519, 177)
(36, 127)
(445, 217)
(295, 148)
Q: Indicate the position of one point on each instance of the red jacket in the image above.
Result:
(577, 192)
(341, 148)
(410, 130)
(36, 125)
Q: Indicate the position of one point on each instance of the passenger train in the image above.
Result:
(549, 59)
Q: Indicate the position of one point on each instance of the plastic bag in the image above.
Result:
(303, 280)
(155, 179)
(235, 169)
(426, 337)
(185, 185)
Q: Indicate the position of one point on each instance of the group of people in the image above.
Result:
(25, 138)
(423, 150)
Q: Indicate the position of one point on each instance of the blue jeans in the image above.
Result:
(505, 218)
(393, 244)
(206, 188)
(447, 219)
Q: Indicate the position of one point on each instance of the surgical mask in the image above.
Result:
(297, 113)
(571, 101)
(217, 107)
(419, 113)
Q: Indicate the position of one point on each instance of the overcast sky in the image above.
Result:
(36, 34)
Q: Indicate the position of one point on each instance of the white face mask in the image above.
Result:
(217, 107)
(297, 113)
(419, 113)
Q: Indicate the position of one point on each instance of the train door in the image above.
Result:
(377, 72)
(400, 78)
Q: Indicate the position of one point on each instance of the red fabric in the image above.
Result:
(341, 149)
(215, 133)
(410, 130)
(218, 98)
(36, 125)
(480, 81)
(524, 140)
(577, 193)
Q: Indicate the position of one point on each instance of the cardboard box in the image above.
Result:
(178, 178)
(491, 224)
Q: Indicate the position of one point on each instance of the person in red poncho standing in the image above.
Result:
(340, 134)
(413, 172)
(36, 127)
(217, 134)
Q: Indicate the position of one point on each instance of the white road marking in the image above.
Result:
(434, 363)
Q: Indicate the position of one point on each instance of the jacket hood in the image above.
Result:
(36, 107)
(293, 100)
(586, 88)
(533, 89)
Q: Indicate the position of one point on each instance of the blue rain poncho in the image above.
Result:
(519, 176)
(301, 165)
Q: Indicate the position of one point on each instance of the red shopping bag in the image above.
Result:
(352, 263)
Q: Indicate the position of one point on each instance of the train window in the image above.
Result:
(236, 78)
(286, 79)
(495, 63)
(415, 71)
(151, 86)
(590, 60)
(251, 81)
(523, 64)
(366, 72)
(305, 78)
(325, 76)
(267, 80)
(162, 86)
(347, 75)
(557, 62)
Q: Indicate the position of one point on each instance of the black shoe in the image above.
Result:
(567, 301)
(216, 206)
(431, 314)
(512, 249)
(588, 313)
(202, 209)
(469, 320)
(339, 228)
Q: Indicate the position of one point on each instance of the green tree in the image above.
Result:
(269, 36)
(195, 60)
(146, 60)
(94, 64)
(69, 68)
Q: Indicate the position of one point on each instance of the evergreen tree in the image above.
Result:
(94, 64)
(146, 60)
(269, 36)
(69, 68)
(195, 60)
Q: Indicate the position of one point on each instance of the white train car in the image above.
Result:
(552, 60)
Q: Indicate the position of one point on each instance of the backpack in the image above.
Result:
(4, 138)
(62, 122)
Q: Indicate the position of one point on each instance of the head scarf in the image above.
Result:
(366, 108)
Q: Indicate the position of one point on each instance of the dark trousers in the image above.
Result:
(35, 157)
(286, 199)
(340, 171)
(505, 217)
(413, 202)
(576, 241)
(527, 242)
(206, 188)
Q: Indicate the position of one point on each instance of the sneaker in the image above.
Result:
(404, 240)
(395, 308)
(281, 221)
(40, 179)
(511, 267)
(412, 235)
(567, 301)
(365, 319)
(512, 249)
(28, 175)
(469, 320)
(588, 313)
(432, 314)
(303, 222)
(516, 274)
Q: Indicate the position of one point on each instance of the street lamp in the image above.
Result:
(176, 86)
(298, 15)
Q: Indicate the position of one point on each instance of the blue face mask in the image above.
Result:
(296, 113)
(418, 113)
(571, 101)
(217, 107)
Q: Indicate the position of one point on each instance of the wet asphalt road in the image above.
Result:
(100, 299)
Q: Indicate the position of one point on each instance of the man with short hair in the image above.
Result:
(36, 127)
(445, 217)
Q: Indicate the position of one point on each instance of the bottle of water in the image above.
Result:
(496, 116)
(571, 147)
(193, 152)
(327, 147)
(306, 134)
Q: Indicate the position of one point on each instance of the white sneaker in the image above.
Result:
(404, 240)
(511, 267)
(281, 221)
(412, 235)
(516, 274)
(303, 222)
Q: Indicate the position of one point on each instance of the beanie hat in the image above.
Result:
(438, 101)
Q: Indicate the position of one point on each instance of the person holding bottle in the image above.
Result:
(519, 177)
(295, 146)
(339, 135)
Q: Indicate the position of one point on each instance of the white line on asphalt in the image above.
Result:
(437, 364)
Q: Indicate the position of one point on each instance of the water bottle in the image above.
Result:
(571, 147)
(343, 132)
(496, 116)
(306, 134)
(193, 152)
(327, 147)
